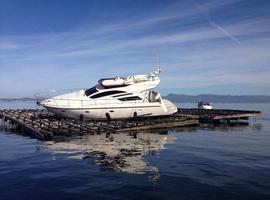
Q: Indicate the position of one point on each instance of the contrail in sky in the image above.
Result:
(212, 23)
(215, 25)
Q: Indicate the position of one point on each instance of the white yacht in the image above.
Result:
(113, 98)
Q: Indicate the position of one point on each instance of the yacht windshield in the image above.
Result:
(91, 91)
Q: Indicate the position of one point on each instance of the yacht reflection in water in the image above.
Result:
(125, 152)
(122, 152)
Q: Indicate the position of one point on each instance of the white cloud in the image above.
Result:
(7, 46)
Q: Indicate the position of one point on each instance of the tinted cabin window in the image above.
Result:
(130, 98)
(120, 95)
(103, 94)
(91, 91)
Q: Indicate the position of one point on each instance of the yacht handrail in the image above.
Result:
(93, 102)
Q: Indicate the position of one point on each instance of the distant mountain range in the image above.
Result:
(182, 98)
(17, 99)
(212, 98)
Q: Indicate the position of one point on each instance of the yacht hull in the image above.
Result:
(123, 112)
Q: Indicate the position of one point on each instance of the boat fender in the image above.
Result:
(108, 116)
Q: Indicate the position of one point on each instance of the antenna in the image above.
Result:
(158, 66)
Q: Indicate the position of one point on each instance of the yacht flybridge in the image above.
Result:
(113, 98)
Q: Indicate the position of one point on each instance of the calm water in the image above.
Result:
(194, 163)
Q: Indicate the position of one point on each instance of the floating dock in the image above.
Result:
(217, 116)
(44, 125)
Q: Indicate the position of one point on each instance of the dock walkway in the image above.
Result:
(44, 125)
(218, 115)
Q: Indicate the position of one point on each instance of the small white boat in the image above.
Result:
(113, 98)
(204, 105)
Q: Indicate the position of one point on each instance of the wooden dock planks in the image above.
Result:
(44, 125)
(219, 114)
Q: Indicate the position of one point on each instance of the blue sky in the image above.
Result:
(220, 47)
